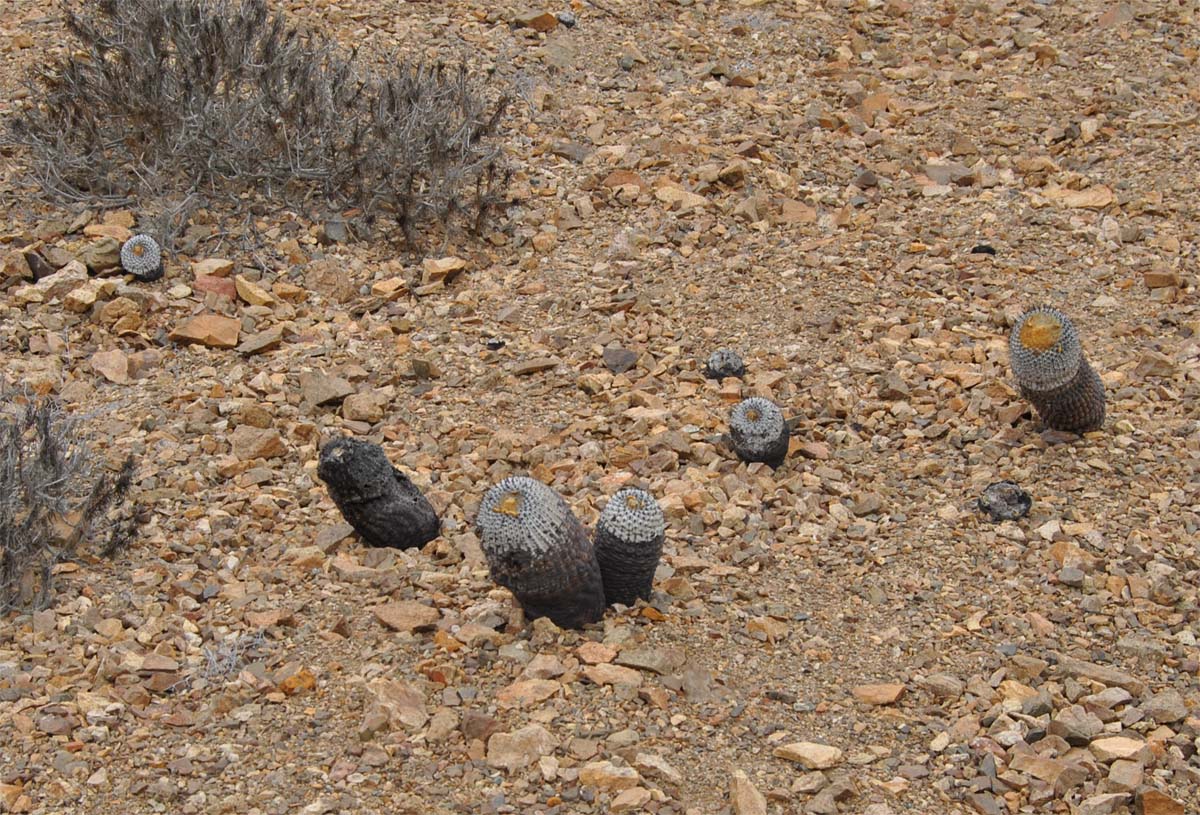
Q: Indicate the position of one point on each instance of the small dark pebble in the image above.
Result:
(983, 249)
(494, 344)
(1004, 501)
(566, 18)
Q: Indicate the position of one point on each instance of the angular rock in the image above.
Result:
(249, 443)
(810, 755)
(1112, 748)
(407, 615)
(212, 330)
(604, 775)
(318, 388)
(879, 694)
(1154, 802)
(1166, 707)
(745, 797)
(1103, 674)
(517, 750)
(112, 365)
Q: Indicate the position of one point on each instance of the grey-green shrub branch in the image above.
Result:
(173, 97)
(50, 502)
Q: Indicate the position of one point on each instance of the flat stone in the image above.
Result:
(1104, 804)
(810, 755)
(612, 675)
(943, 686)
(1113, 748)
(604, 775)
(1125, 776)
(655, 766)
(745, 797)
(252, 293)
(318, 388)
(407, 615)
(630, 800)
(619, 360)
(537, 20)
(215, 267)
(517, 750)
(662, 661)
(1154, 802)
(1166, 707)
(1103, 674)
(261, 342)
(403, 703)
(526, 693)
(594, 653)
(886, 694)
(249, 443)
(1076, 725)
(212, 330)
(533, 366)
(112, 365)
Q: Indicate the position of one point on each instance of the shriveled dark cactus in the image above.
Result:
(1053, 373)
(142, 258)
(629, 543)
(536, 548)
(724, 362)
(375, 498)
(758, 431)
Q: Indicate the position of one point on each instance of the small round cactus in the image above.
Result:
(375, 498)
(724, 362)
(758, 431)
(1053, 373)
(536, 548)
(142, 258)
(629, 543)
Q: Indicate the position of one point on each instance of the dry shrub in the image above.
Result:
(167, 98)
(51, 500)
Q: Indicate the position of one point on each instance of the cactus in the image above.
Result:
(1053, 373)
(724, 362)
(536, 548)
(629, 542)
(758, 431)
(375, 498)
(142, 258)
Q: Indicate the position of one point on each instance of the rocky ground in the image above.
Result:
(860, 196)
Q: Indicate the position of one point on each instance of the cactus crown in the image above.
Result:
(141, 256)
(724, 362)
(1044, 349)
(757, 420)
(633, 515)
(520, 514)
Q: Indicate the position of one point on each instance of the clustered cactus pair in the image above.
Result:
(537, 548)
(534, 544)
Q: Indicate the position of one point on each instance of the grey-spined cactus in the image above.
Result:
(1053, 373)
(724, 362)
(536, 548)
(629, 544)
(142, 258)
(375, 498)
(758, 431)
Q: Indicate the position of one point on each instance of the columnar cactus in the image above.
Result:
(142, 258)
(758, 431)
(1053, 373)
(536, 548)
(629, 543)
(375, 498)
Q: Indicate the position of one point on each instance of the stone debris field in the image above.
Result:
(860, 197)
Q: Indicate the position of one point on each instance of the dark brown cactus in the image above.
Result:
(536, 548)
(375, 498)
(1053, 373)
(629, 543)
